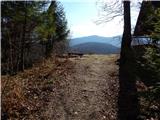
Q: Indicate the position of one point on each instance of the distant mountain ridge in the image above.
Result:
(116, 40)
(95, 48)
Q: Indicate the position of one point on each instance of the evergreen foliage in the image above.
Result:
(156, 25)
(24, 24)
(148, 64)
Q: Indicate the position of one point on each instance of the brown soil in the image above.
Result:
(88, 91)
(84, 88)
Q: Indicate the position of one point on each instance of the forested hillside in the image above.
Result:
(31, 31)
(95, 48)
(115, 40)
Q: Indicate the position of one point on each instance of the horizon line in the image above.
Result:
(95, 35)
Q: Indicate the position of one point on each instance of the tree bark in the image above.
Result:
(126, 39)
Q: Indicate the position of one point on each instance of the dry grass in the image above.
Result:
(26, 94)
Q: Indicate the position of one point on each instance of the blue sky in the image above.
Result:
(82, 14)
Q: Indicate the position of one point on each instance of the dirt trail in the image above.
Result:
(89, 91)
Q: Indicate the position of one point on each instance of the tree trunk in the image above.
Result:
(126, 40)
(21, 67)
(127, 100)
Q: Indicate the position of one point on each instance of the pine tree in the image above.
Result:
(53, 28)
(25, 23)
(19, 18)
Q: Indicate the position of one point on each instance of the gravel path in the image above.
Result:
(88, 92)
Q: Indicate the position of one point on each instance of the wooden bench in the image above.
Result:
(75, 54)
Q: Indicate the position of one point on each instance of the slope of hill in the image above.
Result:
(116, 40)
(94, 47)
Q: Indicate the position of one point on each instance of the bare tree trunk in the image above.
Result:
(127, 101)
(126, 40)
(21, 67)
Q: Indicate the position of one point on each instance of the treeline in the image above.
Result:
(31, 30)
